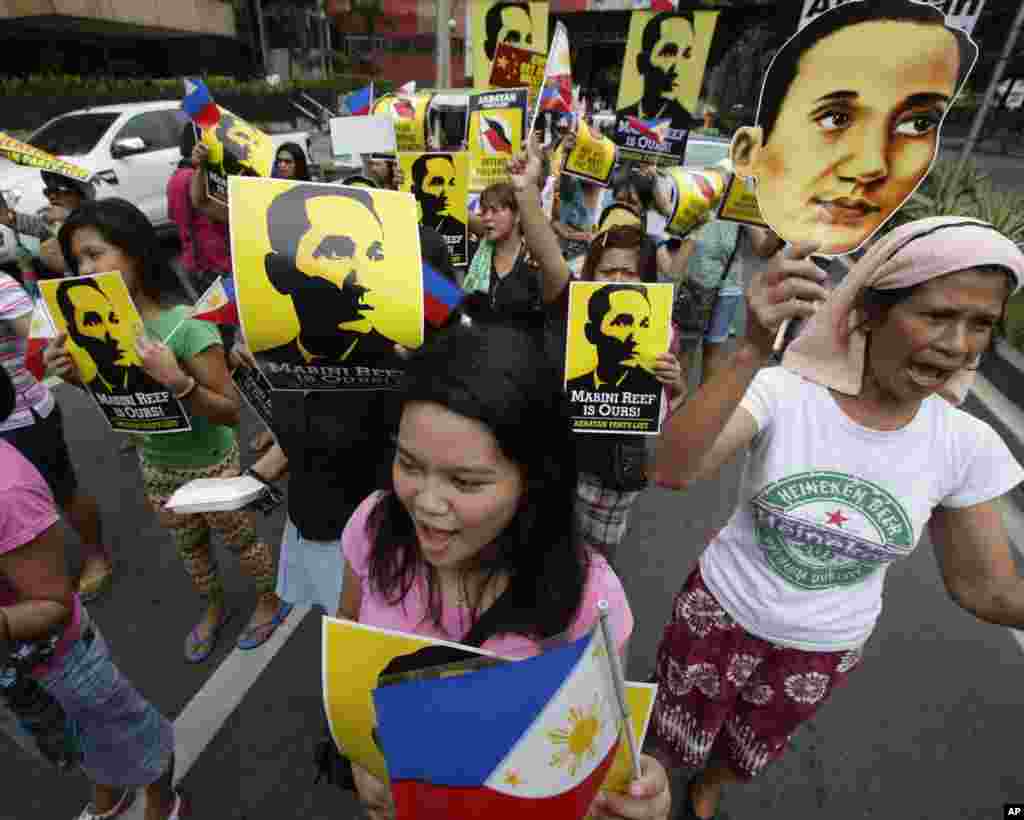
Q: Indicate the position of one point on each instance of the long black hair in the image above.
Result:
(499, 377)
(301, 163)
(127, 228)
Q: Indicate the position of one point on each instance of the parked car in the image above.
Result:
(132, 150)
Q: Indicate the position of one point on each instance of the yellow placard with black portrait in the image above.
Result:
(409, 113)
(497, 122)
(102, 323)
(616, 332)
(849, 118)
(329, 279)
(520, 24)
(666, 54)
(593, 157)
(236, 149)
(438, 182)
(739, 204)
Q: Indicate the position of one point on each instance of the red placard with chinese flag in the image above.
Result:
(518, 68)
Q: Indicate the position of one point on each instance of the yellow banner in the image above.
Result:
(523, 25)
(497, 123)
(329, 279)
(236, 149)
(615, 333)
(24, 154)
(438, 181)
(354, 657)
(594, 156)
(102, 323)
(409, 113)
(739, 204)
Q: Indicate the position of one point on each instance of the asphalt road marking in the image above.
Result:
(203, 717)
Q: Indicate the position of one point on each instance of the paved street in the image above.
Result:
(929, 726)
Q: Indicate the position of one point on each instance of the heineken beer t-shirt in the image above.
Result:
(826, 505)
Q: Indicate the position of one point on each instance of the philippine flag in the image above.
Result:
(359, 102)
(408, 88)
(654, 129)
(494, 137)
(440, 295)
(41, 330)
(532, 738)
(218, 304)
(199, 104)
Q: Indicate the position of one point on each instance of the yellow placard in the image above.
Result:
(102, 323)
(438, 182)
(236, 149)
(523, 25)
(593, 157)
(409, 113)
(329, 279)
(739, 204)
(666, 53)
(497, 122)
(616, 331)
(354, 655)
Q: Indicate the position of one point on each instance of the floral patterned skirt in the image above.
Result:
(722, 689)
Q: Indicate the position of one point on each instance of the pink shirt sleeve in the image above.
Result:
(604, 584)
(27, 508)
(355, 543)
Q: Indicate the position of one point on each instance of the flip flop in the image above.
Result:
(126, 802)
(198, 649)
(258, 635)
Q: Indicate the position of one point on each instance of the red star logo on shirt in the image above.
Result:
(837, 518)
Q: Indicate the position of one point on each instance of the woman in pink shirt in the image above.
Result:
(480, 508)
(73, 707)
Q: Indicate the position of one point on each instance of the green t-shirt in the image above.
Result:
(206, 443)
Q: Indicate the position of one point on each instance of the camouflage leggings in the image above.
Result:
(191, 532)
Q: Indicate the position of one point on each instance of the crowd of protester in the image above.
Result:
(472, 496)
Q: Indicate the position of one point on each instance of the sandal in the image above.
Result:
(126, 802)
(197, 648)
(258, 635)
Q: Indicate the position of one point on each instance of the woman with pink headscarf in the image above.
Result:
(854, 445)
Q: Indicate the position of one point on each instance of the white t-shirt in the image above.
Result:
(826, 505)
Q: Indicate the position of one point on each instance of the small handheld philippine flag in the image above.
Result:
(218, 304)
(358, 102)
(532, 738)
(199, 104)
(440, 295)
(41, 330)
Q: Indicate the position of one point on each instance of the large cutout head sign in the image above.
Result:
(848, 121)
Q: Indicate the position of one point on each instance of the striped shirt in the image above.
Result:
(31, 395)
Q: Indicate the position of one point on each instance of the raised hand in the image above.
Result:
(789, 286)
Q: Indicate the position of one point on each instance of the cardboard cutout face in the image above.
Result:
(855, 133)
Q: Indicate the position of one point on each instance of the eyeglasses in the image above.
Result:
(48, 192)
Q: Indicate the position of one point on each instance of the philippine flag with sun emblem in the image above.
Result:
(535, 736)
